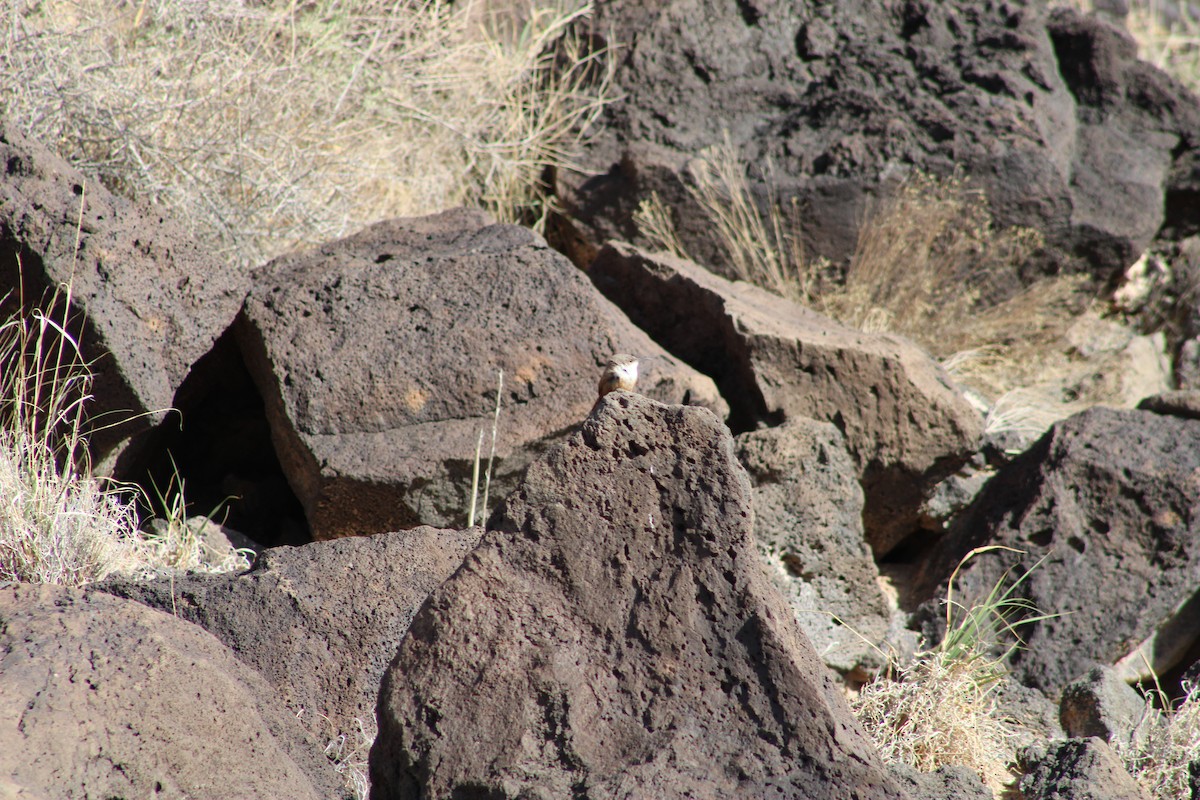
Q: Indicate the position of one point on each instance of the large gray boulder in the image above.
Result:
(615, 636)
(377, 358)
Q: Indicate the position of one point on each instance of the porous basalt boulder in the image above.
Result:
(906, 426)
(808, 528)
(146, 300)
(102, 697)
(1103, 510)
(377, 359)
(1048, 111)
(614, 635)
(320, 622)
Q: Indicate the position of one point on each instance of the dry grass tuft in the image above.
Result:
(349, 754)
(941, 709)
(766, 251)
(1159, 757)
(266, 126)
(58, 523)
(924, 266)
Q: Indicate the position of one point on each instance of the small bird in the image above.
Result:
(620, 372)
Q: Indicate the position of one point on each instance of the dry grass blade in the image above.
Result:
(654, 221)
(57, 524)
(1160, 757)
(767, 251)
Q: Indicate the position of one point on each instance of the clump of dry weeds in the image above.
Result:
(941, 708)
(1160, 756)
(276, 124)
(925, 266)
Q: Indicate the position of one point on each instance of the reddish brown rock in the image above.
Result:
(615, 636)
(102, 697)
(904, 423)
(1105, 506)
(377, 357)
(320, 622)
(147, 301)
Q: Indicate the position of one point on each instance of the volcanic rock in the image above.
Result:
(320, 622)
(377, 358)
(615, 635)
(102, 697)
(146, 301)
(1103, 510)
(1048, 111)
(904, 423)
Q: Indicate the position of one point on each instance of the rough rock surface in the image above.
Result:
(1079, 769)
(808, 528)
(625, 636)
(904, 424)
(149, 300)
(1050, 113)
(102, 698)
(320, 622)
(1106, 500)
(1183, 403)
(377, 359)
(1101, 704)
(947, 783)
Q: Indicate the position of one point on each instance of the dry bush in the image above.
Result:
(924, 266)
(1159, 757)
(58, 523)
(766, 251)
(941, 709)
(270, 125)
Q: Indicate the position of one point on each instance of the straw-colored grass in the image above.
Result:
(265, 126)
(941, 709)
(1167, 33)
(58, 523)
(924, 266)
(1159, 756)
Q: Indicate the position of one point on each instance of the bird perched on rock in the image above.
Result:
(620, 372)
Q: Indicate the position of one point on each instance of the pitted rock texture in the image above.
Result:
(615, 636)
(808, 528)
(1105, 505)
(146, 301)
(320, 622)
(1080, 769)
(377, 359)
(1049, 112)
(904, 423)
(102, 697)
